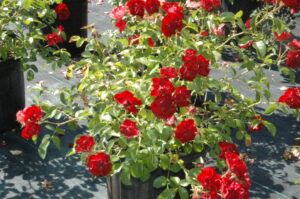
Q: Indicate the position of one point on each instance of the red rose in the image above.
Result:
(151, 43)
(163, 107)
(227, 148)
(203, 66)
(188, 72)
(136, 7)
(257, 127)
(209, 179)
(247, 45)
(84, 144)
(293, 59)
(120, 24)
(152, 6)
(291, 97)
(53, 39)
(232, 189)
(204, 33)
(294, 5)
(129, 102)
(295, 44)
(129, 129)
(186, 131)
(162, 86)
(118, 12)
(172, 7)
(168, 72)
(30, 130)
(172, 22)
(134, 39)
(210, 195)
(62, 11)
(99, 164)
(60, 28)
(248, 24)
(283, 36)
(209, 5)
(181, 96)
(32, 114)
(189, 55)
(236, 165)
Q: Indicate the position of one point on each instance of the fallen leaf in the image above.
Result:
(287, 155)
(15, 152)
(47, 184)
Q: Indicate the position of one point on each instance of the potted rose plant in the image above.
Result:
(19, 48)
(144, 127)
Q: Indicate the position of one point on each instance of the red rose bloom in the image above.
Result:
(163, 107)
(30, 130)
(53, 39)
(151, 43)
(162, 86)
(168, 72)
(293, 59)
(136, 7)
(152, 6)
(209, 179)
(129, 102)
(120, 24)
(283, 36)
(186, 131)
(232, 189)
(295, 44)
(99, 164)
(227, 148)
(209, 5)
(257, 127)
(62, 11)
(118, 12)
(189, 55)
(181, 96)
(210, 195)
(291, 97)
(203, 64)
(32, 114)
(236, 165)
(247, 45)
(204, 33)
(188, 72)
(129, 129)
(134, 39)
(172, 7)
(84, 144)
(248, 24)
(172, 22)
(60, 28)
(293, 4)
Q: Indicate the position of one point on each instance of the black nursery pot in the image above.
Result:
(145, 190)
(72, 26)
(12, 94)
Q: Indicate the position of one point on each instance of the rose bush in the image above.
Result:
(145, 95)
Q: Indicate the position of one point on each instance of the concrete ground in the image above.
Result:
(26, 176)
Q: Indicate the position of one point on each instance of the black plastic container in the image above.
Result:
(72, 26)
(145, 190)
(247, 6)
(12, 94)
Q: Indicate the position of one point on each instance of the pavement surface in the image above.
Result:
(23, 175)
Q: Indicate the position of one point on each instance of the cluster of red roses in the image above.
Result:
(63, 13)
(98, 164)
(233, 184)
(291, 97)
(294, 5)
(29, 119)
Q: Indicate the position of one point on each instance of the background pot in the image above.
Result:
(12, 93)
(145, 190)
(72, 26)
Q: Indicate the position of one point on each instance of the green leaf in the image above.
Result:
(261, 48)
(239, 14)
(271, 127)
(27, 4)
(56, 141)
(125, 176)
(164, 162)
(167, 194)
(245, 40)
(297, 181)
(270, 109)
(160, 182)
(42, 150)
(183, 193)
(63, 98)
